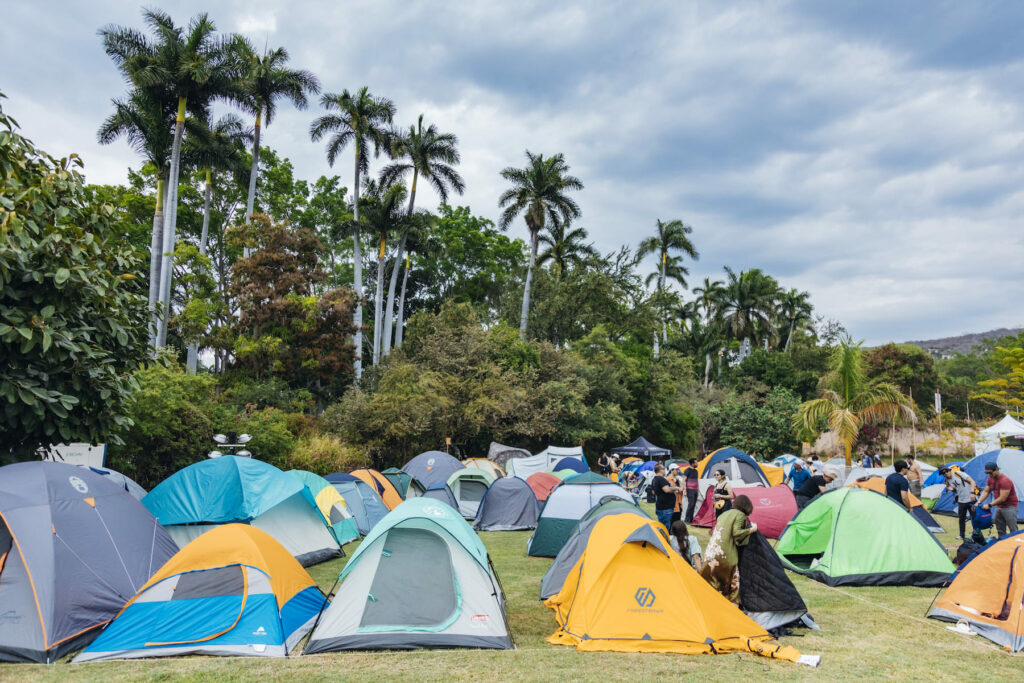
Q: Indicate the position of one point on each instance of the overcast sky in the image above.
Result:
(869, 153)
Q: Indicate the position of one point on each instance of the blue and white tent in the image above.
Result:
(1010, 462)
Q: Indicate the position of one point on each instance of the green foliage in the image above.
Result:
(777, 369)
(762, 428)
(272, 440)
(907, 367)
(72, 314)
(325, 454)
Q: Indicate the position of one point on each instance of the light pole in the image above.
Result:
(231, 442)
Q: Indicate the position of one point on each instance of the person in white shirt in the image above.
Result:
(686, 544)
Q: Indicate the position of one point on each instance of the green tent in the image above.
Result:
(855, 537)
(407, 485)
(566, 506)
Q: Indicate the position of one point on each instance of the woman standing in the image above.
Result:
(732, 530)
(723, 494)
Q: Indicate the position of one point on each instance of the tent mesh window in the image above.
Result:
(472, 491)
(414, 586)
(336, 515)
(210, 583)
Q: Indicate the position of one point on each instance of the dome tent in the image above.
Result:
(773, 509)
(917, 508)
(406, 484)
(542, 484)
(740, 468)
(508, 505)
(766, 594)
(233, 489)
(234, 591)
(381, 484)
(488, 466)
(469, 486)
(361, 499)
(442, 493)
(121, 480)
(565, 507)
(432, 467)
(74, 547)
(544, 461)
(574, 464)
(1010, 462)
(332, 505)
(421, 579)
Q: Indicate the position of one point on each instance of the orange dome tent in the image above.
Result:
(379, 483)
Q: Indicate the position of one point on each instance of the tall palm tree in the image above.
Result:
(361, 119)
(218, 148)
(382, 214)
(747, 305)
(194, 66)
(265, 80)
(565, 248)
(851, 400)
(670, 237)
(433, 156)
(539, 192)
(794, 308)
(146, 121)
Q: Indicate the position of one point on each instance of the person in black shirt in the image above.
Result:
(815, 485)
(692, 480)
(603, 465)
(664, 496)
(896, 485)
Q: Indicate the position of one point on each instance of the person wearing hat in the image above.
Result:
(815, 485)
(1004, 499)
(960, 484)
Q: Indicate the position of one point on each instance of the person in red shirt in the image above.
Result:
(1004, 499)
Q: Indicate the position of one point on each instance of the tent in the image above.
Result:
(232, 489)
(766, 594)
(233, 591)
(564, 474)
(442, 493)
(508, 505)
(573, 549)
(542, 484)
(565, 507)
(917, 508)
(361, 499)
(486, 465)
(740, 468)
(773, 509)
(544, 461)
(331, 504)
(379, 483)
(469, 485)
(630, 592)
(421, 579)
(854, 537)
(432, 467)
(1010, 462)
(642, 448)
(406, 484)
(988, 593)
(500, 454)
(121, 480)
(573, 464)
(988, 440)
(74, 547)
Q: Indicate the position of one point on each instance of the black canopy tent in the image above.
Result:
(642, 448)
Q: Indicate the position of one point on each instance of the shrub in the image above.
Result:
(272, 441)
(324, 454)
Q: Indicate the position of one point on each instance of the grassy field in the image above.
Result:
(865, 632)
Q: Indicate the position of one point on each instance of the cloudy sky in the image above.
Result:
(869, 153)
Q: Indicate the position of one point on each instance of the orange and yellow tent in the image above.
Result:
(877, 484)
(630, 592)
(379, 483)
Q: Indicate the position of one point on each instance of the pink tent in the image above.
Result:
(543, 483)
(773, 508)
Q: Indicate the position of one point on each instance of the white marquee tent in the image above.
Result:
(988, 439)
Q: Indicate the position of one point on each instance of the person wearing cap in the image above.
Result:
(896, 485)
(1004, 499)
(960, 484)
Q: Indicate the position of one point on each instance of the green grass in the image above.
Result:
(865, 632)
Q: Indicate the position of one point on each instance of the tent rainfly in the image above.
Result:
(432, 467)
(644, 449)
(508, 505)
(988, 439)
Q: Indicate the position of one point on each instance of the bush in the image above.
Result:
(272, 441)
(324, 454)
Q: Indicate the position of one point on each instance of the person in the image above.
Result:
(798, 474)
(664, 496)
(914, 475)
(963, 487)
(816, 466)
(723, 494)
(878, 460)
(692, 484)
(896, 485)
(686, 544)
(867, 462)
(721, 565)
(1004, 500)
(604, 465)
(676, 479)
(815, 485)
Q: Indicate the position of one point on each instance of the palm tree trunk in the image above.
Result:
(789, 337)
(401, 306)
(390, 310)
(250, 202)
(357, 279)
(707, 369)
(378, 304)
(156, 244)
(170, 223)
(192, 362)
(661, 283)
(849, 461)
(534, 234)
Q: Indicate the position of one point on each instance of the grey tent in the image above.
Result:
(121, 480)
(501, 454)
(74, 548)
(508, 505)
(362, 501)
(442, 493)
(406, 484)
(432, 467)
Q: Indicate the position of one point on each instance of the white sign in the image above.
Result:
(938, 403)
(76, 454)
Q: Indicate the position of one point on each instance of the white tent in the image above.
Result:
(543, 461)
(988, 439)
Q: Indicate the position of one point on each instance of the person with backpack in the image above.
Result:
(1004, 499)
(966, 491)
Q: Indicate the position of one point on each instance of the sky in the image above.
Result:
(869, 153)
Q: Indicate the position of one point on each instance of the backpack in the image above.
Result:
(982, 518)
(967, 550)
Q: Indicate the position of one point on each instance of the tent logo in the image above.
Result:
(644, 597)
(260, 631)
(433, 511)
(430, 463)
(766, 501)
(78, 484)
(9, 617)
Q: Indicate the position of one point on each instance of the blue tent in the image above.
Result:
(362, 500)
(432, 467)
(574, 464)
(646, 466)
(936, 478)
(1010, 462)
(738, 466)
(443, 493)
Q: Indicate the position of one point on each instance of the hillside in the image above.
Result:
(947, 346)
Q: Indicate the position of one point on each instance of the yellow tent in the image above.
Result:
(630, 592)
(485, 465)
(774, 475)
(379, 483)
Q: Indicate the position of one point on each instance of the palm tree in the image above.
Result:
(432, 156)
(381, 214)
(192, 65)
(794, 308)
(265, 80)
(565, 248)
(420, 225)
(360, 119)
(539, 193)
(851, 400)
(218, 148)
(747, 305)
(672, 236)
(146, 121)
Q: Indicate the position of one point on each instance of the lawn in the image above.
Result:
(865, 632)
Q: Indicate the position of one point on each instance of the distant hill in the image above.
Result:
(948, 346)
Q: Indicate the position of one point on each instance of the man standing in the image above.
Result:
(664, 496)
(692, 481)
(816, 469)
(798, 475)
(1004, 500)
(963, 487)
(914, 475)
(896, 485)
